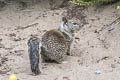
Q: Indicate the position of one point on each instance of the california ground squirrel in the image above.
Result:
(55, 44)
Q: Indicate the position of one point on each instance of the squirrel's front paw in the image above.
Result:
(70, 38)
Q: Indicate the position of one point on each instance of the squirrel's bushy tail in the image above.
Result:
(34, 49)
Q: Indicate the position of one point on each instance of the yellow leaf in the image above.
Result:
(73, 1)
(117, 18)
(78, 0)
(118, 7)
(12, 77)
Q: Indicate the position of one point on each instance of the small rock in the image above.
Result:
(97, 72)
(12, 34)
(66, 78)
(113, 65)
(77, 38)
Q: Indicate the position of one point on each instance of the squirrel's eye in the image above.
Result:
(74, 23)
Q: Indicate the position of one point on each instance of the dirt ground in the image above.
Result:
(94, 47)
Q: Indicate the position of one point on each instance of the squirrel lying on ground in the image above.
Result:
(55, 44)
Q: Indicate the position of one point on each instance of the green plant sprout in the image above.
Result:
(90, 2)
(115, 22)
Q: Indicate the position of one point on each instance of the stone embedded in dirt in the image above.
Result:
(17, 39)
(3, 60)
(92, 19)
(44, 30)
(12, 34)
(4, 69)
(78, 61)
(77, 38)
(2, 46)
(104, 58)
(66, 78)
(113, 66)
(0, 40)
(3, 66)
(96, 31)
(19, 52)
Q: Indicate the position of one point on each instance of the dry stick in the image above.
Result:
(31, 25)
(113, 24)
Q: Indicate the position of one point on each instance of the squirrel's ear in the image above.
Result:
(64, 19)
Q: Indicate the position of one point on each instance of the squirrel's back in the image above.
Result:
(54, 44)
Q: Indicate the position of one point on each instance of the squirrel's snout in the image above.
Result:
(81, 25)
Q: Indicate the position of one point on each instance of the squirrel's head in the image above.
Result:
(71, 27)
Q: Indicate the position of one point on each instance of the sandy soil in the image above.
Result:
(94, 49)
